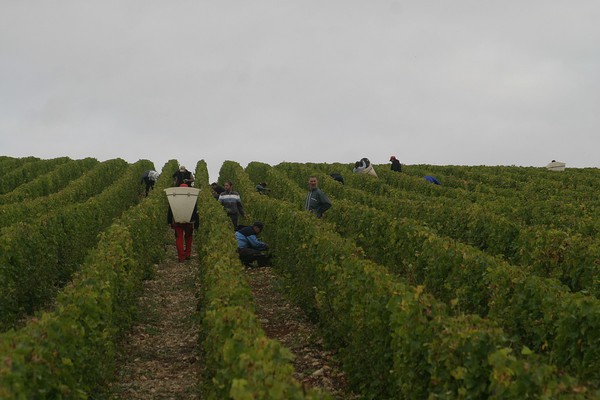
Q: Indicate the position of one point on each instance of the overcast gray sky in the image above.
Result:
(465, 82)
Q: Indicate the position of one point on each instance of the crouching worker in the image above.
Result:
(149, 178)
(250, 248)
(184, 232)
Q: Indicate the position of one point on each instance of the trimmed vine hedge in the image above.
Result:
(359, 303)
(27, 170)
(50, 182)
(241, 362)
(36, 259)
(79, 190)
(69, 352)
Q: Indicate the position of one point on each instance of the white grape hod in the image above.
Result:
(182, 201)
(370, 171)
(556, 166)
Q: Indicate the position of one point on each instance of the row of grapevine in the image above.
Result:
(27, 171)
(8, 164)
(546, 199)
(540, 198)
(570, 255)
(537, 311)
(571, 258)
(49, 182)
(240, 361)
(40, 256)
(543, 199)
(528, 179)
(393, 339)
(399, 308)
(69, 351)
(78, 190)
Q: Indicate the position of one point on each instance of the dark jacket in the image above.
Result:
(217, 190)
(396, 166)
(262, 189)
(183, 177)
(317, 202)
(337, 177)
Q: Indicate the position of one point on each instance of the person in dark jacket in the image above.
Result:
(317, 201)
(262, 188)
(396, 166)
(232, 203)
(216, 190)
(184, 232)
(250, 248)
(182, 175)
(337, 177)
(149, 178)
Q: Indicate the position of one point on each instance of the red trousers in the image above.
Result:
(183, 234)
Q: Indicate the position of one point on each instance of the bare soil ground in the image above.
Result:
(314, 366)
(159, 358)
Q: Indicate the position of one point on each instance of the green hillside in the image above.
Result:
(485, 286)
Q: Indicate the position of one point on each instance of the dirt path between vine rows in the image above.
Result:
(314, 366)
(159, 359)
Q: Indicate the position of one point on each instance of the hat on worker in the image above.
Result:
(392, 158)
(258, 224)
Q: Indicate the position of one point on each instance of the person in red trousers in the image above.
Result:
(184, 232)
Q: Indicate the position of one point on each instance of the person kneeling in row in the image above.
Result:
(250, 248)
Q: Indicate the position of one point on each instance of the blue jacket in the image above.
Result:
(246, 238)
(431, 179)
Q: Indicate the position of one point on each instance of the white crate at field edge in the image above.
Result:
(182, 201)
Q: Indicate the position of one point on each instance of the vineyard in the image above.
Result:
(484, 287)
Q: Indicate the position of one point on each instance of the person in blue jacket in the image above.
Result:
(250, 248)
(431, 179)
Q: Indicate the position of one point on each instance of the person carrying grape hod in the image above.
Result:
(184, 232)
